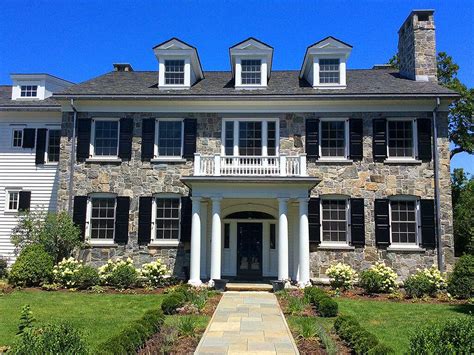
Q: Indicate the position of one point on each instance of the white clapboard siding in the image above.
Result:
(18, 170)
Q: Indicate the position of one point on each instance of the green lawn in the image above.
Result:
(98, 316)
(393, 322)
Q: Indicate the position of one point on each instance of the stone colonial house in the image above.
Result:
(250, 173)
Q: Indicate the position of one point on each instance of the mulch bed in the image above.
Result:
(308, 346)
(105, 290)
(211, 305)
(160, 343)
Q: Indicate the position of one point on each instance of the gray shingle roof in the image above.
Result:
(6, 101)
(365, 82)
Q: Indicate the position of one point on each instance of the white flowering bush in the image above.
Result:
(341, 276)
(378, 279)
(153, 273)
(119, 273)
(425, 282)
(64, 272)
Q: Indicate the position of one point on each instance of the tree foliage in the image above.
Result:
(463, 212)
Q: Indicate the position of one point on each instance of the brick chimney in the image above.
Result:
(122, 67)
(417, 46)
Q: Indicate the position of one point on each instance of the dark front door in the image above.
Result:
(249, 250)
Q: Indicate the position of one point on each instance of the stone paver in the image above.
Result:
(247, 323)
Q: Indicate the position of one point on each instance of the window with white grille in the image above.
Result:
(334, 220)
(13, 198)
(329, 71)
(400, 138)
(106, 138)
(251, 71)
(54, 140)
(17, 138)
(29, 91)
(174, 72)
(167, 221)
(404, 222)
(170, 138)
(333, 139)
(102, 218)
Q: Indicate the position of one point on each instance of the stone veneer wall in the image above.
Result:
(359, 179)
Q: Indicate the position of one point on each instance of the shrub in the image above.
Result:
(120, 274)
(328, 307)
(453, 337)
(33, 267)
(187, 326)
(134, 335)
(153, 274)
(378, 279)
(86, 277)
(56, 232)
(65, 270)
(461, 281)
(307, 328)
(3, 268)
(172, 302)
(341, 276)
(381, 349)
(424, 283)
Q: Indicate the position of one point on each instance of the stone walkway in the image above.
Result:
(247, 323)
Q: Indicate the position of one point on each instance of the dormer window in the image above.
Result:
(29, 91)
(329, 71)
(251, 71)
(174, 72)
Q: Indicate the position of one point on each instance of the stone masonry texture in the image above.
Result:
(366, 179)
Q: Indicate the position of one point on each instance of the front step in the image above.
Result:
(237, 286)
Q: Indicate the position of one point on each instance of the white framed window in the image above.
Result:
(174, 71)
(101, 218)
(12, 199)
(169, 137)
(53, 146)
(401, 138)
(250, 137)
(329, 72)
(335, 220)
(17, 137)
(404, 221)
(334, 139)
(29, 91)
(105, 138)
(251, 73)
(166, 219)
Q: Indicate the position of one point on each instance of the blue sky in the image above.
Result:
(80, 39)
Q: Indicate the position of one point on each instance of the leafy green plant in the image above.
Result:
(65, 270)
(341, 276)
(33, 267)
(324, 304)
(26, 319)
(172, 302)
(295, 305)
(3, 268)
(307, 328)
(186, 326)
(461, 281)
(153, 273)
(120, 273)
(424, 283)
(378, 279)
(86, 277)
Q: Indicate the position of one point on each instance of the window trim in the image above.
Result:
(92, 155)
(348, 220)
(236, 137)
(338, 70)
(414, 156)
(88, 231)
(242, 71)
(263, 72)
(187, 72)
(346, 156)
(417, 243)
(163, 242)
(13, 137)
(26, 96)
(342, 71)
(46, 155)
(8, 191)
(184, 71)
(157, 157)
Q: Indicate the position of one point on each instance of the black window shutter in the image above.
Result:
(382, 222)
(312, 138)
(40, 146)
(79, 213)
(122, 212)
(186, 218)
(83, 138)
(144, 220)
(428, 232)
(424, 139)
(125, 141)
(314, 220)
(357, 221)
(29, 135)
(24, 200)
(379, 145)
(148, 139)
(356, 138)
(190, 131)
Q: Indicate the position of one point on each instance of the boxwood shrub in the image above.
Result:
(172, 302)
(461, 281)
(33, 267)
(324, 304)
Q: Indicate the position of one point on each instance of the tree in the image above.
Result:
(461, 111)
(463, 212)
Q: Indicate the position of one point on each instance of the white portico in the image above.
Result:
(249, 228)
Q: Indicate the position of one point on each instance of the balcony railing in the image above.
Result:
(217, 165)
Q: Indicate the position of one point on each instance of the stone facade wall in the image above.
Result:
(367, 179)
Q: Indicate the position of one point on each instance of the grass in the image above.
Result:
(98, 316)
(308, 327)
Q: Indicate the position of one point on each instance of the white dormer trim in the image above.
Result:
(251, 49)
(175, 49)
(46, 85)
(328, 48)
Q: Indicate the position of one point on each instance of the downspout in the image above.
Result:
(72, 159)
(436, 188)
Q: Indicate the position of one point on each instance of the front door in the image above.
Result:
(249, 250)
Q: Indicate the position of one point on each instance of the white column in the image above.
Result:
(216, 239)
(303, 243)
(283, 239)
(194, 272)
(204, 237)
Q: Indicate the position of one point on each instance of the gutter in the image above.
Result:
(72, 159)
(439, 242)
